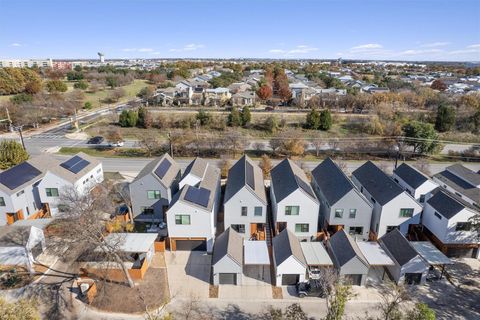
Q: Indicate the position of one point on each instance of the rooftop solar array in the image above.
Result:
(305, 186)
(198, 196)
(163, 168)
(18, 175)
(249, 175)
(75, 164)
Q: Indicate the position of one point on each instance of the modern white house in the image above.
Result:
(352, 266)
(462, 182)
(410, 267)
(414, 182)
(392, 207)
(294, 204)
(289, 263)
(192, 215)
(153, 189)
(227, 258)
(245, 200)
(447, 219)
(193, 173)
(342, 205)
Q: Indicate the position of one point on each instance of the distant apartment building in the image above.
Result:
(26, 63)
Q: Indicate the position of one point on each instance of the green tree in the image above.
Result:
(56, 86)
(325, 120)
(82, 85)
(19, 310)
(336, 301)
(313, 119)
(128, 118)
(21, 98)
(421, 312)
(246, 116)
(11, 154)
(421, 136)
(87, 105)
(146, 92)
(78, 68)
(144, 118)
(476, 121)
(445, 118)
(74, 76)
(234, 118)
(112, 81)
(271, 124)
(204, 118)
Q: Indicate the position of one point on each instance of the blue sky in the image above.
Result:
(365, 29)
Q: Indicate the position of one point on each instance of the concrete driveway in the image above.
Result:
(188, 274)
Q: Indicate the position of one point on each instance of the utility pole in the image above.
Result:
(19, 129)
(170, 143)
(196, 134)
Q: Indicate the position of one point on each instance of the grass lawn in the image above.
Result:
(131, 91)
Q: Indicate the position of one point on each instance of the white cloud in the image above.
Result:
(15, 44)
(300, 49)
(413, 52)
(474, 46)
(368, 46)
(435, 44)
(137, 50)
(145, 50)
(188, 47)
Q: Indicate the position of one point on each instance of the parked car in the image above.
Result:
(311, 288)
(269, 108)
(116, 144)
(96, 140)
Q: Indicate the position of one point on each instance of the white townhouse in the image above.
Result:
(392, 207)
(342, 206)
(245, 200)
(192, 215)
(193, 173)
(462, 182)
(153, 189)
(289, 262)
(414, 182)
(447, 219)
(294, 204)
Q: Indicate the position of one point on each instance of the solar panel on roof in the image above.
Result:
(305, 186)
(75, 164)
(198, 196)
(163, 168)
(249, 175)
(18, 175)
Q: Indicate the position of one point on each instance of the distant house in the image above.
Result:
(237, 87)
(414, 182)
(152, 190)
(410, 267)
(392, 207)
(289, 263)
(192, 215)
(245, 200)
(348, 259)
(342, 206)
(217, 97)
(462, 182)
(447, 219)
(294, 204)
(227, 258)
(244, 98)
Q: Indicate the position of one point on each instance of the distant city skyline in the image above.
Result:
(411, 30)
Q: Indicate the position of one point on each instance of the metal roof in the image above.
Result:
(430, 253)
(315, 254)
(375, 254)
(131, 242)
(256, 253)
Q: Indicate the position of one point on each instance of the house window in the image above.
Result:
(146, 210)
(422, 198)
(258, 211)
(2, 202)
(182, 219)
(244, 211)
(352, 214)
(292, 210)
(301, 227)
(51, 192)
(240, 228)
(355, 230)
(437, 215)
(338, 213)
(153, 194)
(463, 226)
(406, 213)
(390, 228)
(20, 193)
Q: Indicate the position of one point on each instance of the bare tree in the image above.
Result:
(393, 297)
(122, 190)
(266, 165)
(225, 165)
(150, 143)
(337, 294)
(423, 165)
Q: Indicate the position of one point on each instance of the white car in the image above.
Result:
(116, 144)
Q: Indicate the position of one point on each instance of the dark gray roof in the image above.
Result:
(445, 203)
(169, 175)
(228, 243)
(410, 175)
(237, 179)
(344, 248)
(398, 246)
(331, 180)
(380, 186)
(286, 244)
(465, 174)
(453, 181)
(285, 178)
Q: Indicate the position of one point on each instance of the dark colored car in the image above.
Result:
(310, 288)
(95, 140)
(269, 108)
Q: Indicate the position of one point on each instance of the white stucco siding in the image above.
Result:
(438, 226)
(390, 214)
(139, 195)
(453, 236)
(233, 210)
(290, 266)
(308, 214)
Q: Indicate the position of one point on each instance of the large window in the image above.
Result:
(182, 219)
(2, 202)
(301, 227)
(352, 214)
(153, 194)
(292, 210)
(406, 213)
(258, 211)
(51, 192)
(146, 210)
(463, 226)
(355, 230)
(244, 211)
(338, 213)
(240, 228)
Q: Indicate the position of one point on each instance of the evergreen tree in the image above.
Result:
(11, 154)
(234, 118)
(325, 120)
(313, 119)
(246, 116)
(204, 117)
(445, 118)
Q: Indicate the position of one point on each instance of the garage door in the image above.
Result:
(191, 245)
(413, 278)
(290, 279)
(228, 278)
(37, 250)
(354, 279)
